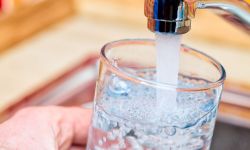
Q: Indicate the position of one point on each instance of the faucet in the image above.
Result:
(174, 16)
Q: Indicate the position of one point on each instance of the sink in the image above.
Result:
(230, 137)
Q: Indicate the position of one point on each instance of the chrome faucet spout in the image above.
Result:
(234, 11)
(170, 16)
(174, 16)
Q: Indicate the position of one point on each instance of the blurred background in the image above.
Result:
(49, 48)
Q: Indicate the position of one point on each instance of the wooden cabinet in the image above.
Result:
(27, 20)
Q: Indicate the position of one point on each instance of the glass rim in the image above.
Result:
(128, 76)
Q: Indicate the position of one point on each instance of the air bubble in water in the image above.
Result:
(114, 147)
(170, 131)
(111, 136)
(118, 86)
(98, 148)
(196, 143)
(116, 133)
(205, 128)
(153, 131)
(133, 143)
(113, 124)
(122, 144)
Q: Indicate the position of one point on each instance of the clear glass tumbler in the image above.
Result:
(128, 114)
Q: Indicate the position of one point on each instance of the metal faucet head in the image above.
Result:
(169, 16)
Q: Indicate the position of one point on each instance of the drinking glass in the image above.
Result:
(130, 114)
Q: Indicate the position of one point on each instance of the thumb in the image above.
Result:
(80, 119)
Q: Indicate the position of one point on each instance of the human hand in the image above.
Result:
(46, 128)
